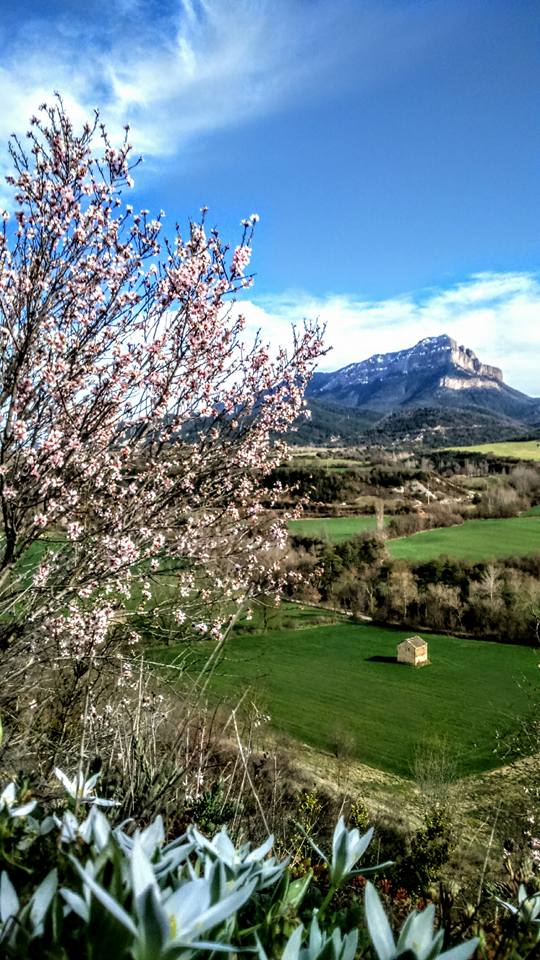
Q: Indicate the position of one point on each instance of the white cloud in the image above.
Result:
(179, 69)
(495, 314)
(203, 66)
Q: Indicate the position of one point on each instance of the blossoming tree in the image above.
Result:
(135, 424)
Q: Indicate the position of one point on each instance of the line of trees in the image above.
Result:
(499, 600)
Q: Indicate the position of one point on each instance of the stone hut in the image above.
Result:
(413, 651)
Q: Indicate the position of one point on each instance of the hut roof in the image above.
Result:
(413, 641)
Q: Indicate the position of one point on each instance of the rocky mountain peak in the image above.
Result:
(436, 372)
(431, 354)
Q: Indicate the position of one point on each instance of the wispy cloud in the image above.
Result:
(496, 314)
(179, 69)
(172, 71)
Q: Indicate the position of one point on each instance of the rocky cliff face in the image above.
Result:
(436, 371)
(434, 354)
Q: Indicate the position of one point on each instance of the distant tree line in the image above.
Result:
(429, 426)
(498, 600)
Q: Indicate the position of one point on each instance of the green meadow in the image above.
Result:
(338, 687)
(473, 541)
(334, 529)
(521, 450)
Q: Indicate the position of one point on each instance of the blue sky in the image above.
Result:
(390, 147)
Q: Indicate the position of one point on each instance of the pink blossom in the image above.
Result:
(240, 260)
(20, 431)
(101, 432)
(74, 530)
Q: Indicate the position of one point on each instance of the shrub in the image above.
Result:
(430, 850)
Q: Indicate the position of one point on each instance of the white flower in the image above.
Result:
(83, 790)
(8, 799)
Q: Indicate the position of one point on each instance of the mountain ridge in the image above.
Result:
(435, 371)
(437, 375)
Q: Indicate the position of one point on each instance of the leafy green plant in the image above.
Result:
(527, 908)
(430, 850)
(128, 893)
(417, 938)
(212, 809)
(359, 814)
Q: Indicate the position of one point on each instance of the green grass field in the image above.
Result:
(334, 529)
(474, 540)
(339, 684)
(328, 463)
(521, 450)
